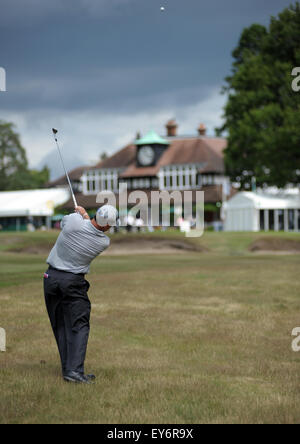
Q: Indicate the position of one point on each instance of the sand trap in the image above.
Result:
(275, 245)
(10, 240)
(144, 245)
(126, 246)
(34, 249)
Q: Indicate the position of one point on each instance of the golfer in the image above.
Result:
(67, 302)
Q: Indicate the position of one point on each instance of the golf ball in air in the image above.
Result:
(162, 8)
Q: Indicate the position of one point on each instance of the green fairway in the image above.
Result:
(195, 337)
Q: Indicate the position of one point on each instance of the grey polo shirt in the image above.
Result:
(77, 246)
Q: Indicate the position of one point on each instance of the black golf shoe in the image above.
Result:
(77, 378)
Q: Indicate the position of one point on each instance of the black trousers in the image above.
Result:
(69, 311)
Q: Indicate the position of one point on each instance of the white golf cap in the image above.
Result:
(107, 215)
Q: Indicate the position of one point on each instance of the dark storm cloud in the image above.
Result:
(120, 55)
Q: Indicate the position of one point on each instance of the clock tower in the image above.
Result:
(149, 149)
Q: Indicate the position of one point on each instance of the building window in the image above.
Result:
(154, 183)
(179, 177)
(208, 179)
(99, 180)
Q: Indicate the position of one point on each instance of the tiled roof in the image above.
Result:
(75, 175)
(199, 150)
(134, 171)
(121, 159)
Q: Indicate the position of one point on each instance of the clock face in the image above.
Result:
(146, 155)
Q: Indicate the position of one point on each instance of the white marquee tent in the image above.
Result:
(31, 204)
(264, 210)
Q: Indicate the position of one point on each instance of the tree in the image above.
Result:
(262, 114)
(103, 156)
(38, 179)
(14, 171)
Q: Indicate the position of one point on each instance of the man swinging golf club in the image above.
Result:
(68, 305)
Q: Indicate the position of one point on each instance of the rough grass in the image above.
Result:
(189, 338)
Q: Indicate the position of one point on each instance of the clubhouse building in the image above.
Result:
(155, 163)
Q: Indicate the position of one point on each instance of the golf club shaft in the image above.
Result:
(67, 175)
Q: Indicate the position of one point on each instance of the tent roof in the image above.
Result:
(264, 200)
(32, 202)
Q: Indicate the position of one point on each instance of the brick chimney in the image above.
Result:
(202, 129)
(172, 128)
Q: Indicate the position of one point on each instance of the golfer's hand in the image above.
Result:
(82, 212)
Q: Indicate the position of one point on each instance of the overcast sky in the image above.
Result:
(101, 70)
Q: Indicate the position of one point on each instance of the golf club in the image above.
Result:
(55, 131)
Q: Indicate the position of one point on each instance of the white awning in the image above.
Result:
(264, 201)
(32, 202)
